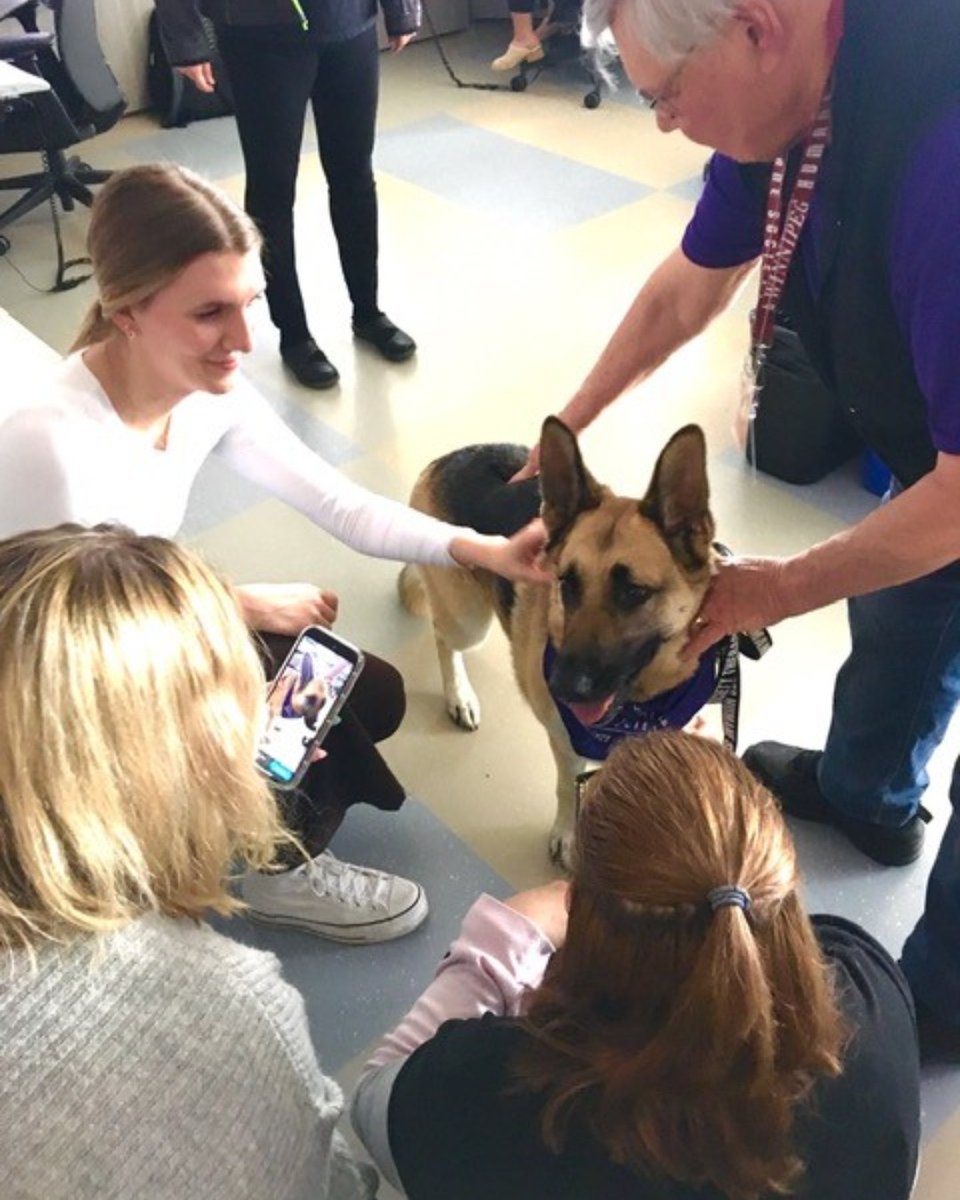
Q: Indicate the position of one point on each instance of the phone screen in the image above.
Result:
(300, 700)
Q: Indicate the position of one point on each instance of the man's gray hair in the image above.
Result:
(669, 29)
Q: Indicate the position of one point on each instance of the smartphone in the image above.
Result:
(303, 702)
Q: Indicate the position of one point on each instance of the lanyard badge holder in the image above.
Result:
(780, 239)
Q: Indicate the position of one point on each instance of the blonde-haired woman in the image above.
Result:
(119, 431)
(688, 1034)
(142, 1053)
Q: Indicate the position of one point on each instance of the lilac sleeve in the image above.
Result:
(726, 228)
(498, 957)
(925, 275)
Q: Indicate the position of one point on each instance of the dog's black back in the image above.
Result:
(471, 488)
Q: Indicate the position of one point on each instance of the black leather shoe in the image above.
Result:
(385, 337)
(309, 365)
(791, 774)
(939, 1042)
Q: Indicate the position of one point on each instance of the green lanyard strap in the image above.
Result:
(304, 23)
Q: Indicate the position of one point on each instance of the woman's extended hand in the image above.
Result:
(519, 558)
(547, 908)
(286, 607)
(200, 75)
(397, 41)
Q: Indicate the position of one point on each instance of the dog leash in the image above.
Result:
(441, 50)
(727, 692)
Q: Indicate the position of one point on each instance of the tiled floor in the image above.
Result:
(515, 230)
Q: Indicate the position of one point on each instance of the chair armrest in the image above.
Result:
(23, 45)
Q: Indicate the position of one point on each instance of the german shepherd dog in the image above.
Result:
(630, 576)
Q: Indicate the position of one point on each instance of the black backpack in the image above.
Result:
(800, 433)
(172, 95)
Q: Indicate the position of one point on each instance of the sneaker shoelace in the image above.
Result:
(358, 886)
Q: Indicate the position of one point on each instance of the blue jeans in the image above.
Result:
(894, 697)
(931, 954)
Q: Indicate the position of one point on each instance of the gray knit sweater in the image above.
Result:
(164, 1062)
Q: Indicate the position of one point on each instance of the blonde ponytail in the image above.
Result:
(95, 328)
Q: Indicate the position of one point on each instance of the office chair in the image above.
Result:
(562, 46)
(84, 100)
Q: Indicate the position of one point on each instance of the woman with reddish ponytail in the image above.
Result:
(671, 1025)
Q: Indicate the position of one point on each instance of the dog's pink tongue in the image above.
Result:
(590, 714)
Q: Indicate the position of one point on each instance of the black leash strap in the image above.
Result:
(727, 692)
(438, 42)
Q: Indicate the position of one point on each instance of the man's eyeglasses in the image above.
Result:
(670, 90)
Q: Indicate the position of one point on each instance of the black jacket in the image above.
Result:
(459, 1130)
(186, 43)
(897, 72)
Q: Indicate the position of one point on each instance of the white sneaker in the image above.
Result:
(336, 900)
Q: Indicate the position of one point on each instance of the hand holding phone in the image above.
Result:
(303, 703)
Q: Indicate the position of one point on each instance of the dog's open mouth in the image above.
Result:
(592, 713)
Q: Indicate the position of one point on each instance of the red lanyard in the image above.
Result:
(781, 234)
(780, 237)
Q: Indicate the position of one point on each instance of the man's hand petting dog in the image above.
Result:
(519, 558)
(745, 594)
(547, 907)
(530, 468)
(286, 608)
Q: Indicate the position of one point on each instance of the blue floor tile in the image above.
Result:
(502, 177)
(211, 148)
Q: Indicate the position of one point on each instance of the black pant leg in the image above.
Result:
(345, 98)
(272, 80)
(354, 771)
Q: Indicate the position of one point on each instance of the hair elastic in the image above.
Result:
(728, 894)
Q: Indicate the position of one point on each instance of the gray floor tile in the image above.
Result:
(355, 993)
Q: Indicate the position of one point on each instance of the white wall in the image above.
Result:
(122, 25)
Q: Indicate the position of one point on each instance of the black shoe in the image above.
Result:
(309, 365)
(386, 337)
(791, 774)
(938, 1041)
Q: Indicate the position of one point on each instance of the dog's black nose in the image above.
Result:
(579, 680)
(582, 676)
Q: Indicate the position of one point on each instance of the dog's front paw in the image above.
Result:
(464, 709)
(561, 847)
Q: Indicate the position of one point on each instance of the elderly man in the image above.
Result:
(855, 110)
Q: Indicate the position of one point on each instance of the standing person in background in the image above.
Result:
(143, 1054)
(118, 432)
(865, 254)
(689, 1033)
(281, 55)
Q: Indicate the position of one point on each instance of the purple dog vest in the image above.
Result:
(668, 710)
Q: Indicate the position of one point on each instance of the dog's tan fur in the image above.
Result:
(660, 546)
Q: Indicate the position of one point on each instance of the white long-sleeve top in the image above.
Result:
(499, 957)
(68, 456)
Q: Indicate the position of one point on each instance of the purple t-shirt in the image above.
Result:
(727, 229)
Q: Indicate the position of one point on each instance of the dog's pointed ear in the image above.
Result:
(678, 500)
(567, 487)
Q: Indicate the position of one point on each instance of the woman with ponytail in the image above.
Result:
(670, 1026)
